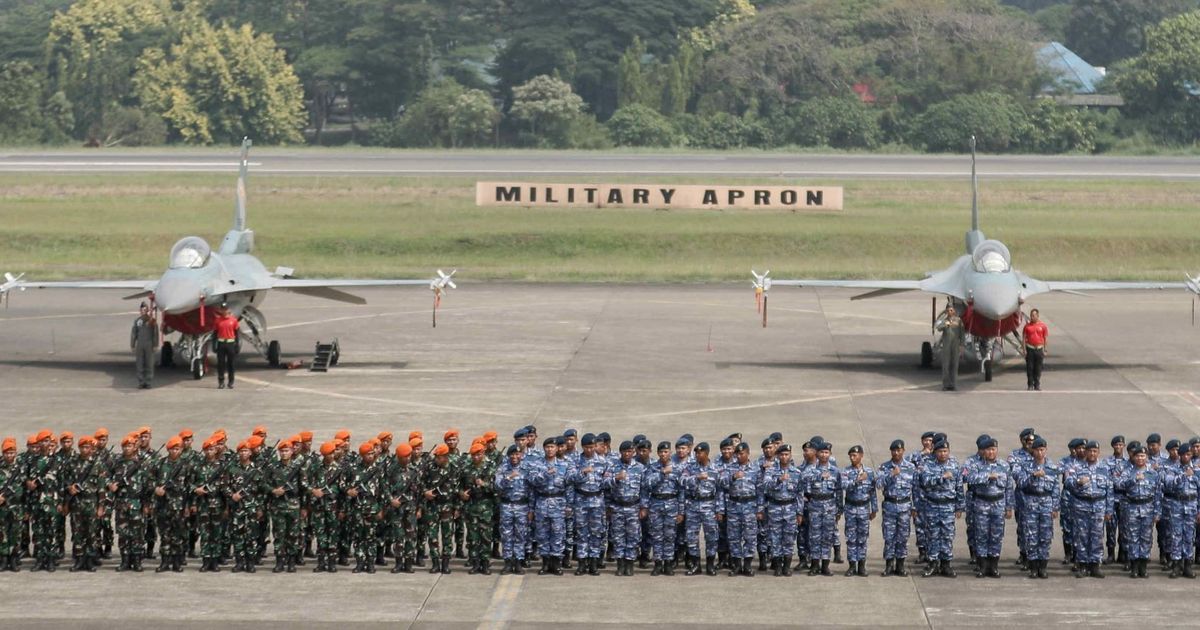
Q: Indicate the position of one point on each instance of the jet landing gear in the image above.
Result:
(926, 354)
(193, 350)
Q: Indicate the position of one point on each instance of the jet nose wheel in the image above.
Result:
(273, 353)
(167, 355)
(197, 368)
(926, 354)
(987, 370)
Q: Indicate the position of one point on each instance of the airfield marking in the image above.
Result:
(426, 311)
(788, 310)
(504, 598)
(391, 401)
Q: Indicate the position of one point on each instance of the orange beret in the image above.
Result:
(44, 434)
(101, 432)
(221, 432)
(259, 430)
(10, 444)
(31, 440)
(476, 448)
(416, 442)
(244, 445)
(415, 434)
(209, 443)
(479, 440)
(343, 435)
(384, 435)
(306, 436)
(185, 434)
(403, 450)
(338, 443)
(87, 439)
(128, 440)
(490, 435)
(295, 440)
(142, 430)
(174, 442)
(284, 444)
(449, 434)
(328, 448)
(66, 435)
(441, 449)
(254, 441)
(365, 447)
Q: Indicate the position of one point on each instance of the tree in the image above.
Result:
(842, 122)
(20, 119)
(675, 95)
(1161, 86)
(219, 84)
(549, 106)
(996, 120)
(24, 25)
(637, 125)
(631, 85)
(473, 117)
(1106, 31)
(446, 114)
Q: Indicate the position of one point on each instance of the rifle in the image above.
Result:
(137, 464)
(221, 468)
(294, 477)
(78, 480)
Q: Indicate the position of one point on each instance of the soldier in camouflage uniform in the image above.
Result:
(439, 507)
(42, 485)
(63, 459)
(514, 492)
(128, 489)
(11, 490)
(321, 486)
(107, 458)
(346, 461)
(85, 504)
(282, 477)
(494, 458)
(365, 510)
(245, 493)
(403, 509)
(383, 530)
(208, 504)
(171, 495)
(308, 458)
(191, 459)
(33, 450)
(149, 464)
(478, 493)
(458, 461)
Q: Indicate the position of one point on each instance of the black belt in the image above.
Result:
(517, 502)
(620, 503)
(775, 501)
(742, 499)
(586, 493)
(987, 499)
(1180, 497)
(1139, 500)
(550, 495)
(940, 501)
(699, 498)
(664, 496)
(1086, 499)
(818, 497)
(897, 499)
(853, 503)
(1035, 493)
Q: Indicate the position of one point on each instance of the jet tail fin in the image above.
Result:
(974, 236)
(239, 212)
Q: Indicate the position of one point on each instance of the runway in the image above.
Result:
(501, 163)
(659, 360)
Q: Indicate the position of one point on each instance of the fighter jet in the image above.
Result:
(199, 279)
(982, 285)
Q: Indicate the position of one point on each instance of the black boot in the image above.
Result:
(518, 567)
(14, 563)
(136, 564)
(1187, 569)
(278, 564)
(889, 567)
(746, 567)
(710, 566)
(164, 564)
(980, 566)
(496, 549)
(1033, 568)
(668, 567)
(445, 565)
(852, 570)
(994, 567)
(582, 567)
(762, 562)
(290, 565)
(644, 559)
(206, 564)
(331, 562)
(542, 571)
(1176, 569)
(472, 566)
(359, 566)
(508, 567)
(240, 565)
(124, 566)
(1111, 557)
(398, 566)
(594, 566)
(485, 565)
(862, 568)
(825, 568)
(786, 561)
(657, 570)
(321, 560)
(947, 570)
(91, 563)
(814, 567)
(837, 554)
(1078, 570)
(556, 564)
(1068, 553)
(369, 565)
(1095, 571)
(78, 565)
(900, 570)
(693, 565)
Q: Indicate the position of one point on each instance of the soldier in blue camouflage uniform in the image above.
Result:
(514, 491)
(897, 480)
(1066, 519)
(1091, 504)
(1142, 488)
(1181, 487)
(643, 456)
(1158, 459)
(860, 507)
(741, 485)
(705, 506)
(990, 500)
(725, 461)
(85, 504)
(623, 482)
(942, 501)
(822, 507)
(1039, 484)
(782, 504)
(918, 459)
(1117, 466)
(1017, 459)
(554, 499)
(665, 489)
(587, 480)
(245, 493)
(171, 494)
(766, 463)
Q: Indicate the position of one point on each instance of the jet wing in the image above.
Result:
(331, 289)
(1035, 287)
(875, 288)
(139, 285)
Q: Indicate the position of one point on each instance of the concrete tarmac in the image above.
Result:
(660, 360)
(502, 164)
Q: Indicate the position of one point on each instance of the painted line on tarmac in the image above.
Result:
(42, 317)
(504, 599)
(775, 403)
(425, 311)
(789, 310)
(376, 399)
(155, 165)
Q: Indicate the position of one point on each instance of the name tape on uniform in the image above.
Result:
(692, 197)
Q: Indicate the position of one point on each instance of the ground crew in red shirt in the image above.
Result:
(226, 346)
(1033, 340)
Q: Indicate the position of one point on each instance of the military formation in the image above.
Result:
(574, 502)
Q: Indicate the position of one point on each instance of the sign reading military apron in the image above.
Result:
(658, 196)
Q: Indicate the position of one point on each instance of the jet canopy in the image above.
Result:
(190, 253)
(991, 257)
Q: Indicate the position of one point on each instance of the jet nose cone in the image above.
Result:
(177, 295)
(995, 301)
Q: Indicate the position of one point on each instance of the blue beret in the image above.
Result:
(940, 436)
(1194, 440)
(702, 447)
(896, 444)
(520, 433)
(990, 443)
(776, 436)
(529, 428)
(855, 449)
(587, 440)
(1117, 439)
(689, 437)
(766, 442)
(549, 441)
(1092, 444)
(638, 438)
(1075, 443)
(1135, 444)
(1027, 432)
(570, 433)
(1038, 442)
(735, 436)
(1172, 444)
(981, 440)
(604, 437)
(1154, 438)
(940, 444)
(928, 435)
(823, 446)
(816, 439)
(806, 445)
(784, 448)
(627, 445)
(726, 442)
(1135, 449)
(560, 441)
(512, 449)
(664, 446)
(682, 442)
(742, 446)
(644, 443)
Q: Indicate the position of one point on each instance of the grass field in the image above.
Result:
(122, 226)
